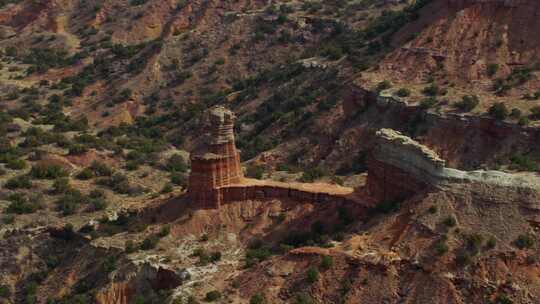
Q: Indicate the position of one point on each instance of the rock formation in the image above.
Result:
(216, 174)
(219, 163)
(399, 167)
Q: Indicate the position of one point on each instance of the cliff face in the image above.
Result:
(401, 167)
(465, 141)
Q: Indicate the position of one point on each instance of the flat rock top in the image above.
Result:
(395, 140)
(307, 187)
(220, 115)
(425, 164)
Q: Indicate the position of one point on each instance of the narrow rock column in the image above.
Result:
(219, 164)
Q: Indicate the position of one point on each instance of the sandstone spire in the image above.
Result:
(218, 165)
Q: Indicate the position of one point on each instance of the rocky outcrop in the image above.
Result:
(218, 165)
(216, 175)
(141, 278)
(399, 167)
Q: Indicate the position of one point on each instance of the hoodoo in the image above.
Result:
(218, 164)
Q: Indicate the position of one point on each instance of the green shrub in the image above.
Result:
(98, 204)
(491, 243)
(303, 299)
(215, 256)
(204, 258)
(61, 185)
(47, 171)
(312, 275)
(212, 296)
(450, 221)
(168, 188)
(132, 165)
(257, 299)
(96, 193)
(16, 164)
(403, 92)
(535, 113)
(124, 95)
(432, 90)
(8, 219)
(383, 85)
(42, 59)
(428, 103)
(192, 300)
(13, 95)
(130, 247)
(69, 203)
(85, 174)
(164, 231)
(109, 265)
(179, 179)
(332, 52)
(498, 111)
(100, 169)
(19, 182)
(468, 103)
(150, 242)
(312, 174)
(137, 2)
(524, 241)
(523, 163)
(254, 256)
(52, 261)
(4, 291)
(492, 69)
(440, 247)
(515, 113)
(77, 149)
(327, 262)
(255, 171)
(474, 243)
(119, 184)
(257, 252)
(463, 259)
(20, 204)
(176, 163)
(503, 299)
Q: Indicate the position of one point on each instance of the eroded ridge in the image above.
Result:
(216, 177)
(400, 167)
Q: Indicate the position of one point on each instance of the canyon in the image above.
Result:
(287, 152)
